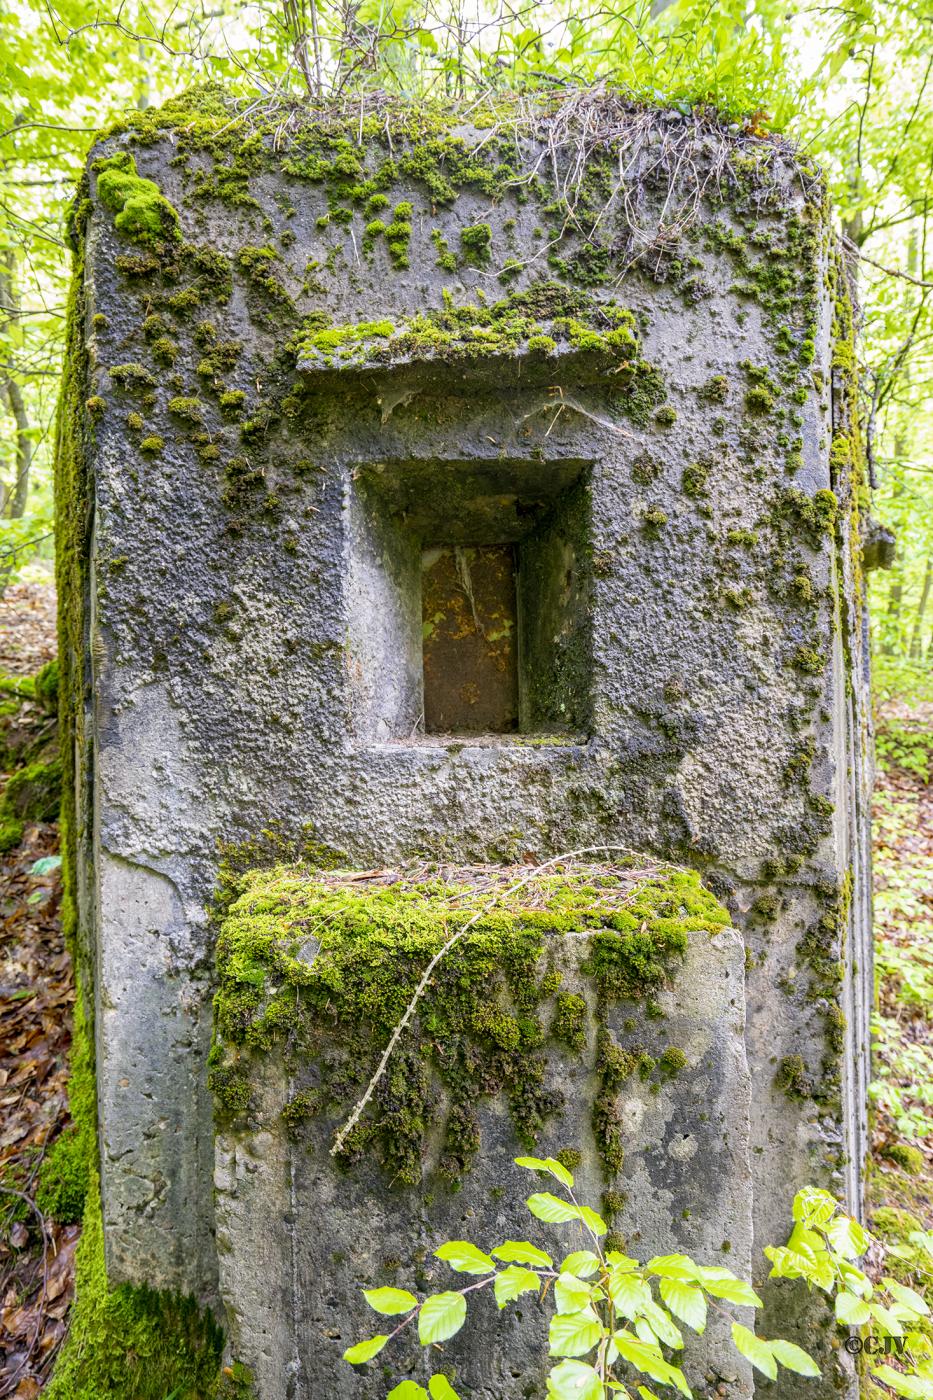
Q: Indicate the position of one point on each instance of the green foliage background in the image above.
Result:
(851, 82)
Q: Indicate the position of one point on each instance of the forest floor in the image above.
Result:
(902, 1140)
(37, 995)
(27, 628)
(36, 999)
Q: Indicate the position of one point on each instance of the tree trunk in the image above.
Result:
(15, 496)
(916, 648)
(18, 492)
(890, 642)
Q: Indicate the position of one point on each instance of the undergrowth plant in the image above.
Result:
(613, 1316)
(616, 1321)
(823, 1248)
(907, 745)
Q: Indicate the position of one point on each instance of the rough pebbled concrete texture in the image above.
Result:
(254, 647)
(284, 1213)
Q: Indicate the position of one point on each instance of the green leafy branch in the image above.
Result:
(822, 1249)
(607, 1316)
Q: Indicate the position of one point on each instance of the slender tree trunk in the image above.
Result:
(142, 85)
(916, 648)
(16, 494)
(890, 643)
(892, 620)
(893, 640)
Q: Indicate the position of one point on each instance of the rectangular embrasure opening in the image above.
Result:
(490, 563)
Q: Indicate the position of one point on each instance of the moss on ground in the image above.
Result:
(34, 793)
(123, 1343)
(131, 1343)
(29, 753)
(904, 1156)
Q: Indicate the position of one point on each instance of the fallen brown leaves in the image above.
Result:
(27, 628)
(36, 1000)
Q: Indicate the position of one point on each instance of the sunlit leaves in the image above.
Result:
(547, 1164)
(521, 1252)
(765, 1355)
(574, 1380)
(512, 1282)
(910, 1387)
(362, 1352)
(655, 1324)
(574, 1334)
(390, 1300)
(733, 1290)
(813, 1206)
(555, 1211)
(465, 1257)
(629, 1293)
(571, 1294)
(673, 1266)
(551, 1208)
(439, 1388)
(614, 1316)
(908, 1296)
(686, 1302)
(794, 1358)
(847, 1237)
(592, 1221)
(890, 1322)
(851, 1311)
(649, 1359)
(756, 1349)
(441, 1316)
(583, 1263)
(408, 1390)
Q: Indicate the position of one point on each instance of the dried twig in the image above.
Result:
(856, 251)
(442, 952)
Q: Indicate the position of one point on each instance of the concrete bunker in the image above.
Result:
(399, 370)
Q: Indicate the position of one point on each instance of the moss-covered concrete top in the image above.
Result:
(538, 208)
(322, 967)
(545, 323)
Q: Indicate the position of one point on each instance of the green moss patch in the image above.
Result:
(545, 319)
(32, 794)
(321, 967)
(904, 1156)
(123, 1343)
(143, 213)
(132, 1343)
(476, 240)
(63, 1179)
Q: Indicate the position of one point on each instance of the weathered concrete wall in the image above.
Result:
(252, 628)
(299, 1239)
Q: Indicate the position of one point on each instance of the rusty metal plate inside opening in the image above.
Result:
(470, 640)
